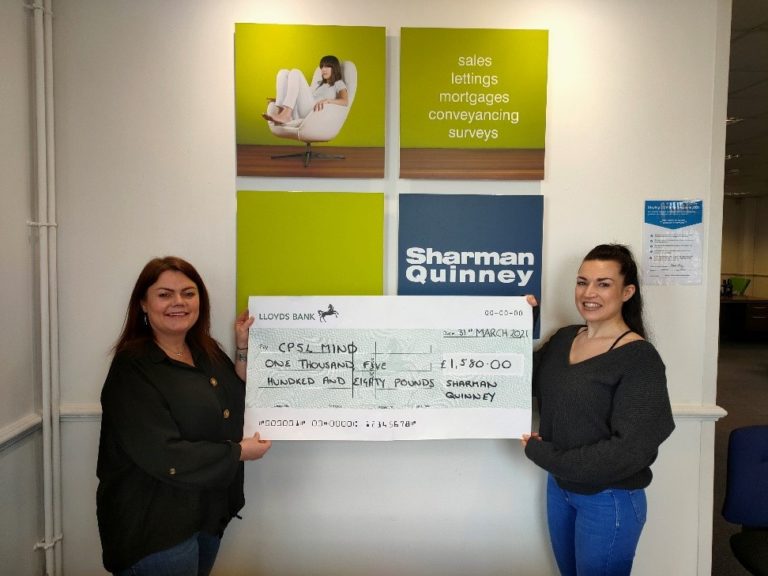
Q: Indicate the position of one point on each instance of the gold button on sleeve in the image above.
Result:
(226, 412)
(214, 382)
(172, 471)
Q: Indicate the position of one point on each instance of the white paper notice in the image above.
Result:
(673, 242)
(389, 367)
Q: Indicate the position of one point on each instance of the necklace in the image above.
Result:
(171, 351)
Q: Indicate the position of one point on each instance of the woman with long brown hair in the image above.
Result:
(604, 408)
(295, 98)
(171, 450)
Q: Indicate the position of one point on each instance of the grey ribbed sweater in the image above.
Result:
(603, 419)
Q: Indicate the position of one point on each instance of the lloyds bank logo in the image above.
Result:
(323, 314)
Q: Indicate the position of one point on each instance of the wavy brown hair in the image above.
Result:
(137, 333)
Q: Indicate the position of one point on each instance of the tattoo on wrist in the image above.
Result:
(242, 354)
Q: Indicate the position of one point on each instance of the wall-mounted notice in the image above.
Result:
(470, 244)
(389, 368)
(473, 103)
(672, 242)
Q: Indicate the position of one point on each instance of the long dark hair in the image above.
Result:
(333, 63)
(632, 309)
(137, 332)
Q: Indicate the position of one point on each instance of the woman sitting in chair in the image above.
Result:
(296, 98)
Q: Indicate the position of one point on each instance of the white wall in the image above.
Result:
(146, 167)
(17, 239)
(20, 452)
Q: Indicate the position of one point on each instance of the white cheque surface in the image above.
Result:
(389, 367)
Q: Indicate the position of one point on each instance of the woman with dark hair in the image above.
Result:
(296, 98)
(171, 450)
(604, 411)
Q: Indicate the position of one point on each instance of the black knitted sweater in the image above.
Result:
(603, 419)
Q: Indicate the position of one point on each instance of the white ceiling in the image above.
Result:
(746, 164)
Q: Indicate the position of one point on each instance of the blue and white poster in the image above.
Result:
(673, 242)
(470, 245)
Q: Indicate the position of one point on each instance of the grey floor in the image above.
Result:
(742, 390)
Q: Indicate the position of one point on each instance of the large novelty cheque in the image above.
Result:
(389, 367)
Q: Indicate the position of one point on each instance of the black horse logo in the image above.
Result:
(330, 312)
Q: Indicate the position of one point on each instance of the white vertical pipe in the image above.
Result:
(42, 217)
(53, 288)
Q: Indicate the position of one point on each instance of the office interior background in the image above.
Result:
(743, 352)
(124, 149)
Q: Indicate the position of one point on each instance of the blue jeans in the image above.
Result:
(596, 534)
(193, 557)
